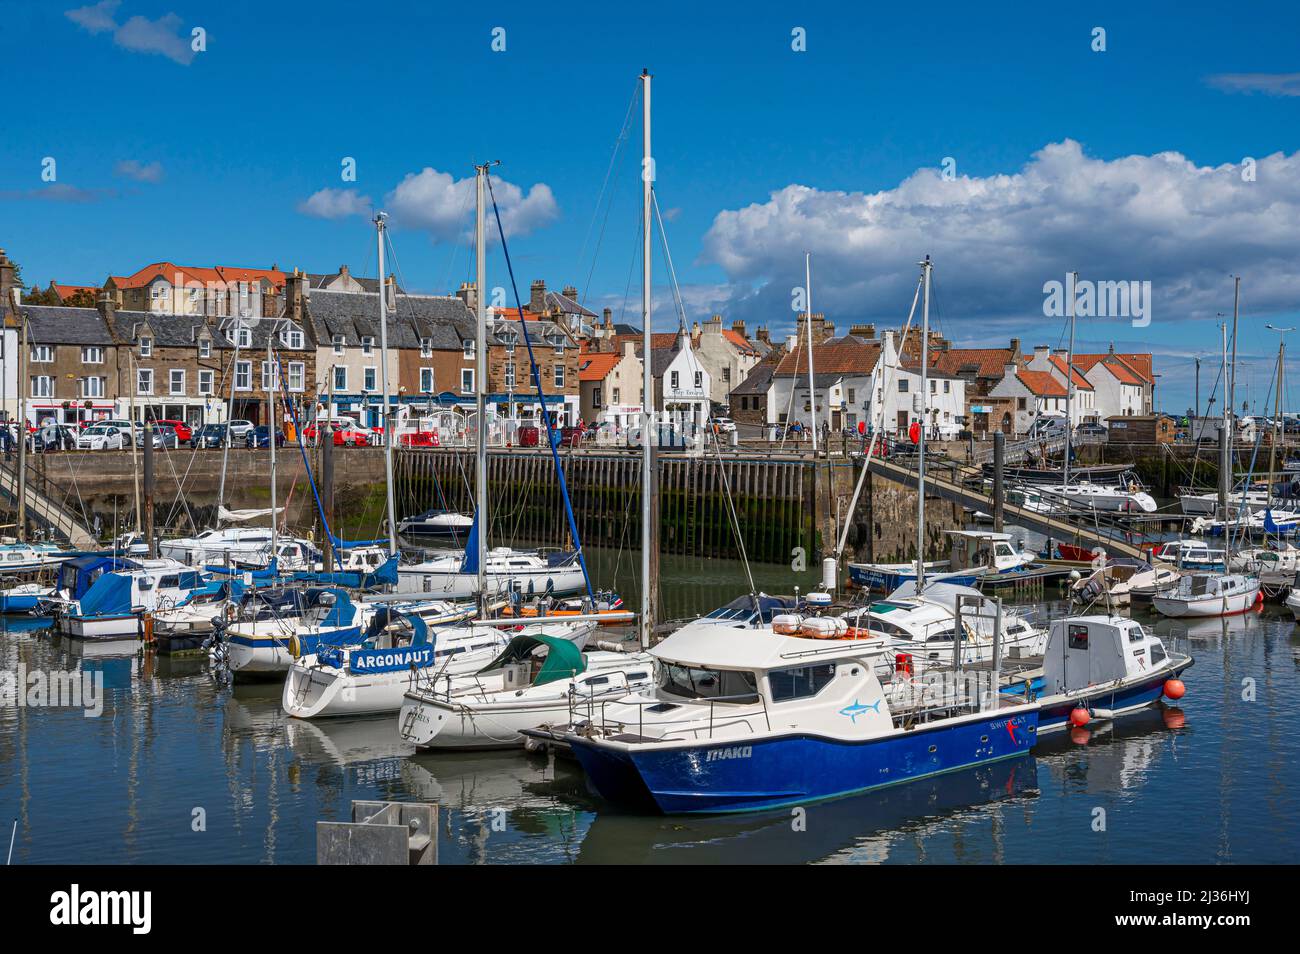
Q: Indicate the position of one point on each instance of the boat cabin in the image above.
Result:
(1085, 651)
(982, 549)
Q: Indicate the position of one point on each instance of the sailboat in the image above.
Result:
(1216, 594)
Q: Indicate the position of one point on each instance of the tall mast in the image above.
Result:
(807, 320)
(1225, 442)
(920, 444)
(647, 378)
(1278, 430)
(272, 427)
(480, 383)
(1232, 374)
(386, 415)
(1069, 383)
(22, 387)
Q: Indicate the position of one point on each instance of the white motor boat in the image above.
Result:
(531, 573)
(16, 558)
(1293, 598)
(249, 546)
(1117, 580)
(116, 604)
(1207, 504)
(1127, 496)
(1274, 567)
(537, 680)
(370, 675)
(440, 524)
(1209, 594)
(1190, 555)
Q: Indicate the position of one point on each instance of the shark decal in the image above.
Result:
(858, 708)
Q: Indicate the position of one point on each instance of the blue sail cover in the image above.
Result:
(385, 573)
(419, 654)
(470, 563)
(271, 571)
(110, 595)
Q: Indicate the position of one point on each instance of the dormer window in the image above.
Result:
(291, 338)
(337, 341)
(146, 347)
(368, 344)
(467, 346)
(426, 347)
(510, 341)
(205, 347)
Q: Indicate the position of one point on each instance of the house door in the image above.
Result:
(902, 420)
(1006, 422)
(837, 421)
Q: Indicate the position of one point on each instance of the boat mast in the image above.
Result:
(920, 444)
(1277, 409)
(1225, 443)
(807, 320)
(227, 438)
(1232, 374)
(480, 385)
(1069, 384)
(386, 416)
(647, 379)
(271, 428)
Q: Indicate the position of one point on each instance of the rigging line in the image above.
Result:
(618, 146)
(717, 449)
(541, 396)
(631, 268)
(879, 409)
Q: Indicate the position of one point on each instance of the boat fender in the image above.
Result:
(1174, 688)
(295, 648)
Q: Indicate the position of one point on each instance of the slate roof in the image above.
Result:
(444, 320)
(567, 305)
(58, 324)
(758, 380)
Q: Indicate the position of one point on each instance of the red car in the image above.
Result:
(351, 437)
(183, 432)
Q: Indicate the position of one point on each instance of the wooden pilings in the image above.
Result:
(774, 500)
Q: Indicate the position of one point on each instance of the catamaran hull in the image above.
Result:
(312, 692)
(746, 775)
(560, 581)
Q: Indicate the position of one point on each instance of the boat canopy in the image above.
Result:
(386, 572)
(936, 590)
(110, 595)
(77, 576)
(563, 658)
(386, 616)
(341, 611)
(269, 572)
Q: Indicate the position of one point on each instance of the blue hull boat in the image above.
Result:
(745, 775)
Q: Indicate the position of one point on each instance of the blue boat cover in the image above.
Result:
(110, 595)
(470, 563)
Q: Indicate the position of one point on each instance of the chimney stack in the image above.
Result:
(763, 335)
(8, 281)
(1015, 347)
(468, 293)
(537, 297)
(738, 327)
(294, 292)
(570, 292)
(106, 305)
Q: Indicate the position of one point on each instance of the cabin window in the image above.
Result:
(694, 683)
(1135, 634)
(799, 683)
(1157, 653)
(1078, 637)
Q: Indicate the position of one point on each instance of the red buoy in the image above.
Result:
(1080, 716)
(1174, 688)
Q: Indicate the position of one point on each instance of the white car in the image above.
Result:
(107, 435)
(239, 430)
(724, 425)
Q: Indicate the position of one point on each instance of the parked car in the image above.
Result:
(210, 435)
(104, 436)
(311, 432)
(239, 429)
(260, 436)
(184, 433)
(724, 425)
(351, 437)
(164, 435)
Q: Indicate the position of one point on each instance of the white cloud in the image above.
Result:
(443, 206)
(96, 18)
(139, 171)
(138, 34)
(335, 204)
(1274, 84)
(997, 239)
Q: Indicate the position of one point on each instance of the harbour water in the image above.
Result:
(177, 769)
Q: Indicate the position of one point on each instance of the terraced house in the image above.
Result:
(217, 291)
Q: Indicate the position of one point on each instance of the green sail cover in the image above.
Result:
(563, 658)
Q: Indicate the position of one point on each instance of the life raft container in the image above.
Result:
(787, 624)
(824, 627)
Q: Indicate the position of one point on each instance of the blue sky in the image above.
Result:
(761, 152)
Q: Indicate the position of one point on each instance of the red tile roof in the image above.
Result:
(739, 340)
(217, 275)
(846, 355)
(595, 365)
(67, 291)
(1139, 365)
(1041, 383)
(987, 362)
(1080, 382)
